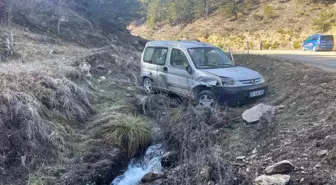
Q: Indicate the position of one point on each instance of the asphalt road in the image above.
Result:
(325, 60)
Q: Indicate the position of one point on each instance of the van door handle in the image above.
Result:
(165, 69)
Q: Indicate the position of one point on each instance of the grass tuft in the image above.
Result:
(131, 133)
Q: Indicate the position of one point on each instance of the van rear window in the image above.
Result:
(155, 55)
(327, 37)
(148, 55)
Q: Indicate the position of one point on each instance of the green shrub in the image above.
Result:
(269, 11)
(281, 31)
(296, 45)
(267, 45)
(275, 45)
(230, 10)
(131, 133)
(323, 23)
(206, 36)
(247, 5)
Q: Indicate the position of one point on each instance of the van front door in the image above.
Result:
(176, 75)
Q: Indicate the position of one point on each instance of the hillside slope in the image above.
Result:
(279, 24)
(62, 97)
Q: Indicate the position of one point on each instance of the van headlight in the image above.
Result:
(262, 79)
(228, 82)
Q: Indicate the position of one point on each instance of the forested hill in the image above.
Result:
(279, 23)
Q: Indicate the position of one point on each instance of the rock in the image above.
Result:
(240, 158)
(322, 153)
(150, 177)
(254, 151)
(317, 166)
(88, 75)
(301, 180)
(169, 159)
(280, 168)
(101, 79)
(272, 180)
(280, 107)
(85, 68)
(101, 67)
(255, 113)
(211, 183)
(253, 156)
(205, 173)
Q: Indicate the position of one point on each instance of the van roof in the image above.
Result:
(180, 44)
(320, 34)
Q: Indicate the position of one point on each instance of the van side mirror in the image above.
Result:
(189, 69)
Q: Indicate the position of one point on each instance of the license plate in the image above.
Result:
(257, 93)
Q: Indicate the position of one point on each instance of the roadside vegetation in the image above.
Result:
(134, 134)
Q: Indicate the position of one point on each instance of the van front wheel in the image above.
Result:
(314, 49)
(206, 98)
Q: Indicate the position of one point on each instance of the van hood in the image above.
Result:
(236, 73)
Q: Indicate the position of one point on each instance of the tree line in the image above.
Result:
(181, 11)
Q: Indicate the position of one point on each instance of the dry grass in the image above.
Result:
(36, 109)
(194, 133)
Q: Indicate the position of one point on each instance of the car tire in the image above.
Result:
(303, 49)
(314, 49)
(147, 84)
(206, 98)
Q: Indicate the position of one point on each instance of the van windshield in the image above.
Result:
(327, 37)
(209, 58)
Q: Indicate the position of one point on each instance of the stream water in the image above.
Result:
(137, 168)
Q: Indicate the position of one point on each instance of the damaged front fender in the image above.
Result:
(206, 81)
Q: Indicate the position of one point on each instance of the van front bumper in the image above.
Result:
(234, 96)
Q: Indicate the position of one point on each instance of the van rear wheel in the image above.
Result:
(206, 98)
(147, 85)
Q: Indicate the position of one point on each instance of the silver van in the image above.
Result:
(200, 71)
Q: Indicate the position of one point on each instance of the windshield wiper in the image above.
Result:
(226, 65)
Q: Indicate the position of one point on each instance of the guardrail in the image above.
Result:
(286, 52)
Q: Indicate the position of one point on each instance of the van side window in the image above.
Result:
(160, 56)
(178, 59)
(155, 55)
